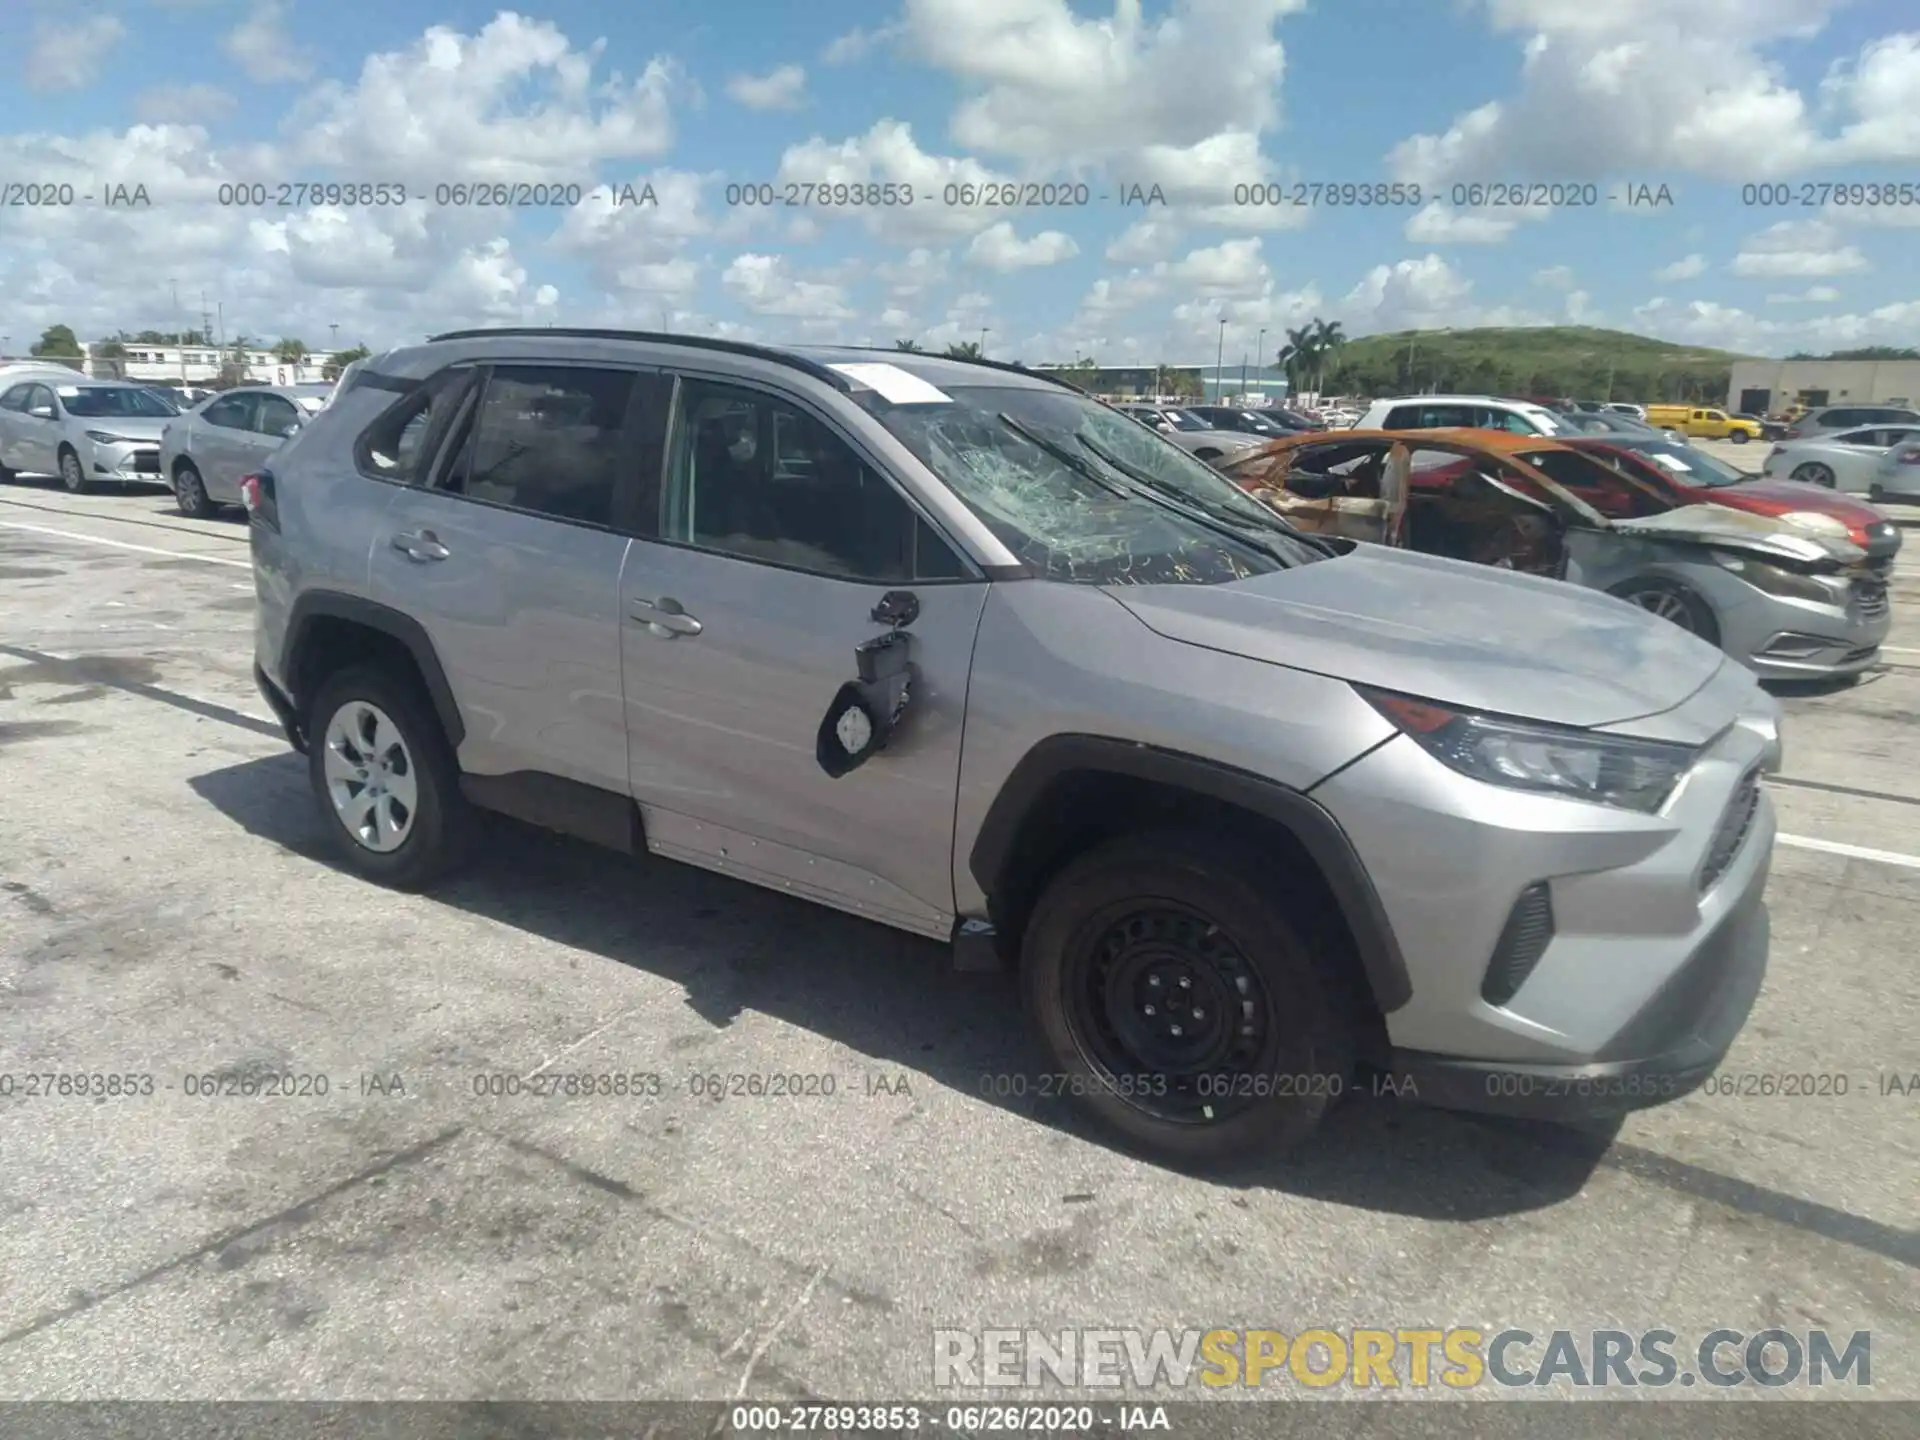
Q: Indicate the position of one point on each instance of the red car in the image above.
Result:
(1692, 477)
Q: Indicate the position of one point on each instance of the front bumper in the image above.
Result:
(1794, 640)
(137, 463)
(1667, 1050)
(1658, 931)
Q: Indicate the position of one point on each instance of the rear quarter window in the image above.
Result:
(397, 444)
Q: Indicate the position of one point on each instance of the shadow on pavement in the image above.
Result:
(896, 999)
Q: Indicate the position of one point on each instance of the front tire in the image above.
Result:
(1251, 1044)
(1739, 437)
(190, 492)
(1674, 603)
(71, 475)
(386, 780)
(1813, 473)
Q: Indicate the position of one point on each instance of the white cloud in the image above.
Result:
(999, 248)
(1555, 277)
(1633, 87)
(1053, 87)
(262, 48)
(183, 104)
(856, 45)
(455, 106)
(1729, 327)
(67, 53)
(1231, 270)
(1797, 249)
(1812, 295)
(1438, 224)
(1144, 240)
(1687, 267)
(766, 285)
(888, 153)
(780, 89)
(911, 277)
(640, 248)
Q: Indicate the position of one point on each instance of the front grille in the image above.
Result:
(1735, 825)
(1870, 598)
(1865, 652)
(1523, 940)
(145, 462)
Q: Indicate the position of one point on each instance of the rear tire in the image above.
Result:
(415, 809)
(1674, 603)
(71, 475)
(1188, 1081)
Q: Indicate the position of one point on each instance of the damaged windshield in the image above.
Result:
(1083, 493)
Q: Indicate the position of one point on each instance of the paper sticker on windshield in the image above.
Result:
(1671, 462)
(892, 383)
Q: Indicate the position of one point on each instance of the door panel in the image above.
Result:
(722, 729)
(522, 607)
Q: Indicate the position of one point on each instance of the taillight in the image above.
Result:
(256, 491)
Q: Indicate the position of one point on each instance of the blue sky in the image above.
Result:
(1198, 96)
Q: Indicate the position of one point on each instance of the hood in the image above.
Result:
(1743, 530)
(1446, 631)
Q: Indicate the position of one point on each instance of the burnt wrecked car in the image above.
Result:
(1786, 602)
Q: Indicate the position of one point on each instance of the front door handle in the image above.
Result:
(665, 618)
(420, 545)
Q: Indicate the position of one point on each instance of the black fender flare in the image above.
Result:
(331, 604)
(1303, 816)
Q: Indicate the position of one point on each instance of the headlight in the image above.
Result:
(107, 437)
(1552, 759)
(1775, 581)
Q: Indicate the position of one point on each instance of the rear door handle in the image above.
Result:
(665, 618)
(420, 545)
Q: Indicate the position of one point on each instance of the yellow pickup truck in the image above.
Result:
(1703, 423)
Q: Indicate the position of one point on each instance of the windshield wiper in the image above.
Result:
(1243, 523)
(1065, 456)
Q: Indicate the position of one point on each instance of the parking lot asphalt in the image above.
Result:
(167, 909)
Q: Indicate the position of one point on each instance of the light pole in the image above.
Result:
(984, 332)
(1260, 355)
(1219, 359)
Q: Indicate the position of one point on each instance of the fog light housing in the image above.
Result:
(1523, 940)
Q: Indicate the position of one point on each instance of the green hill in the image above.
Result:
(1573, 360)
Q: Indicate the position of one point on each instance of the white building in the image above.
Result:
(1760, 386)
(200, 365)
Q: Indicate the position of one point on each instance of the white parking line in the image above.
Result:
(1901, 649)
(1852, 852)
(125, 545)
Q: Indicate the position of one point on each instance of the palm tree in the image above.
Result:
(1327, 340)
(908, 345)
(1298, 355)
(290, 351)
(965, 350)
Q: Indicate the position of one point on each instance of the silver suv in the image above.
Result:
(1260, 818)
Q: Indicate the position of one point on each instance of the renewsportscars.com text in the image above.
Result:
(1387, 1359)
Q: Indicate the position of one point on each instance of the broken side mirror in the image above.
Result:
(866, 711)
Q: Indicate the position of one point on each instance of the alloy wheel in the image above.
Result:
(1666, 604)
(1814, 474)
(370, 776)
(71, 474)
(188, 492)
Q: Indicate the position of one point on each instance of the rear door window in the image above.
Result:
(546, 439)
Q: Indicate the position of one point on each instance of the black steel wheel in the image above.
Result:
(1179, 1000)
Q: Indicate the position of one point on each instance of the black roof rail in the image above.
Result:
(701, 342)
(968, 360)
